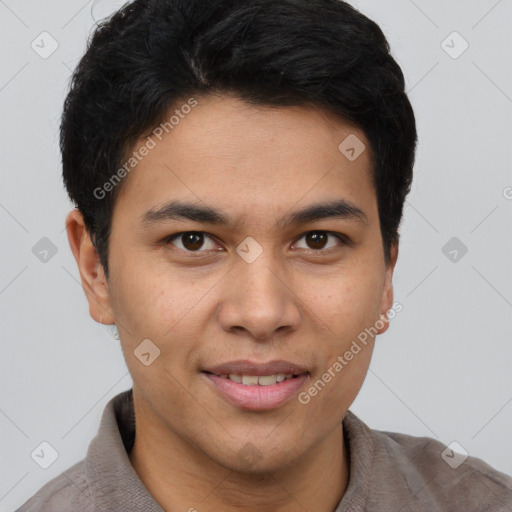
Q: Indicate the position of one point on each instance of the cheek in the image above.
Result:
(148, 307)
(137, 301)
(161, 306)
(349, 303)
(350, 309)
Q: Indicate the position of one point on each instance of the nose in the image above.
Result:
(259, 300)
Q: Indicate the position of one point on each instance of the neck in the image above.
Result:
(180, 477)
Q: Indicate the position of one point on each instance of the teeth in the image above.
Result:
(249, 379)
(262, 380)
(267, 380)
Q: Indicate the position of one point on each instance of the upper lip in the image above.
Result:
(246, 367)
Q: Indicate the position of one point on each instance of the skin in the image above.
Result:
(294, 302)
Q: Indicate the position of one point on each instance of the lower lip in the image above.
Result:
(256, 397)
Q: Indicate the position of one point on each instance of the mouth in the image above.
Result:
(258, 380)
(257, 386)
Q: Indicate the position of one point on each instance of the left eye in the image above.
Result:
(318, 239)
(193, 241)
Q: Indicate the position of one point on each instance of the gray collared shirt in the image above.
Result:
(389, 472)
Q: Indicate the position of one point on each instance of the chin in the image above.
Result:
(262, 456)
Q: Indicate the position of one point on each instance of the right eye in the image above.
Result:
(189, 241)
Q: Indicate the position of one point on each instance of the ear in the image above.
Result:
(387, 294)
(94, 282)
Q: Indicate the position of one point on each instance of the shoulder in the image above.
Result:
(68, 491)
(438, 474)
(393, 471)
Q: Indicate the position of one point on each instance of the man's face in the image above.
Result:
(255, 290)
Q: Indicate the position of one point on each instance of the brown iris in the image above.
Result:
(192, 241)
(316, 239)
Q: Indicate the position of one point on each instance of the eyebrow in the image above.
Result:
(178, 210)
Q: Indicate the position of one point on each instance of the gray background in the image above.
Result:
(443, 368)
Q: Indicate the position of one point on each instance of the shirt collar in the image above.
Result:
(112, 480)
(115, 485)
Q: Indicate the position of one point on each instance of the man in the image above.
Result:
(239, 170)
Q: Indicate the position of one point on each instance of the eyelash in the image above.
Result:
(342, 238)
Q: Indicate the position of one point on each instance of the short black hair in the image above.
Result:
(152, 54)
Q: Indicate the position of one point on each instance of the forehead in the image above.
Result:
(257, 160)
